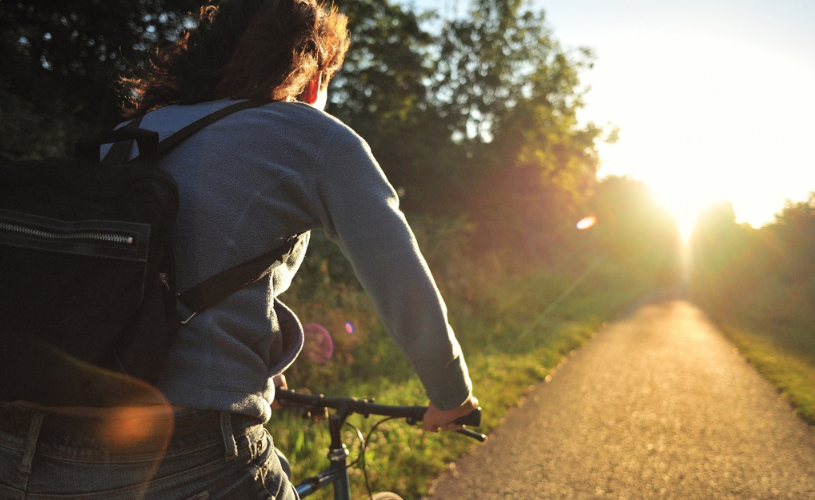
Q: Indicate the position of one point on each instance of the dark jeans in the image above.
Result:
(186, 455)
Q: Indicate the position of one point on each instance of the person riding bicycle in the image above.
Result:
(247, 183)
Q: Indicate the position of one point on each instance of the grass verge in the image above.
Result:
(793, 376)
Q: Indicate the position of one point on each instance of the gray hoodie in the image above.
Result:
(247, 183)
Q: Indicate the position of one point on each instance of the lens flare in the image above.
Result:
(586, 222)
(126, 427)
(318, 345)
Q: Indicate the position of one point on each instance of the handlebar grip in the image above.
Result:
(473, 418)
(475, 435)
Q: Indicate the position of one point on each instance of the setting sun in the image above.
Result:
(713, 100)
(683, 198)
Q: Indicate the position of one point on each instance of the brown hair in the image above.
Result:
(254, 49)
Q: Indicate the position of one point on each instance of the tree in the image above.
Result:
(382, 79)
(764, 275)
(509, 94)
(61, 61)
(497, 60)
(444, 113)
(794, 233)
(382, 93)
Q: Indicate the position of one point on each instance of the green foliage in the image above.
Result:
(26, 134)
(62, 60)
(509, 93)
(496, 60)
(762, 274)
(794, 232)
(382, 92)
(759, 285)
(78, 47)
(382, 81)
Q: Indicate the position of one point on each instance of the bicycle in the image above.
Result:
(337, 472)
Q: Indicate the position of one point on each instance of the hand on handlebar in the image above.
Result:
(279, 383)
(435, 419)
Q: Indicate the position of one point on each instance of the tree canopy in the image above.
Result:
(765, 274)
(475, 114)
(61, 61)
(74, 50)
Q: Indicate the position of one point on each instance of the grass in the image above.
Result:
(512, 336)
(776, 352)
(772, 322)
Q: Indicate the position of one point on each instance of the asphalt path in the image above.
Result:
(658, 405)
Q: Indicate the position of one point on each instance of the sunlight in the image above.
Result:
(705, 135)
(684, 196)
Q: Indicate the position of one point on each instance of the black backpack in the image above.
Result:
(87, 281)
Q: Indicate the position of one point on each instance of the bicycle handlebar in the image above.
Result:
(366, 407)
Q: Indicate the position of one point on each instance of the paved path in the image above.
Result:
(657, 405)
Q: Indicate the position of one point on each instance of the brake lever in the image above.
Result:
(475, 435)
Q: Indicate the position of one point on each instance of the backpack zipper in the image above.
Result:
(39, 233)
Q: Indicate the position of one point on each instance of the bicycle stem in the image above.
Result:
(338, 454)
(335, 423)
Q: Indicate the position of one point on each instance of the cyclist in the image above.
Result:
(247, 183)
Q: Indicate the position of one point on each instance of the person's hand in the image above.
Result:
(279, 383)
(435, 419)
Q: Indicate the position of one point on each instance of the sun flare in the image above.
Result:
(684, 199)
(587, 222)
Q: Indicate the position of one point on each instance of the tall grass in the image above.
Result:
(514, 325)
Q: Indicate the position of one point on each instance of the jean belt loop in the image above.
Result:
(229, 437)
(31, 443)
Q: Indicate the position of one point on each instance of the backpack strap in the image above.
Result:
(174, 139)
(120, 150)
(220, 286)
(217, 287)
(147, 140)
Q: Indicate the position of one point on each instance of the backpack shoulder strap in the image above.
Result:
(176, 138)
(220, 286)
(229, 281)
(120, 150)
(149, 145)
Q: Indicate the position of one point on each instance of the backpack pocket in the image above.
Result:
(71, 284)
(119, 240)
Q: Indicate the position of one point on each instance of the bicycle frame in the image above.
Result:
(337, 472)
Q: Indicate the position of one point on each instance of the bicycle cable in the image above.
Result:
(361, 458)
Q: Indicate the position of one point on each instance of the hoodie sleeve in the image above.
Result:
(359, 211)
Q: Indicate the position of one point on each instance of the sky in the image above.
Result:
(715, 100)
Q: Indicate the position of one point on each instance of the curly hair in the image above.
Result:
(243, 49)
